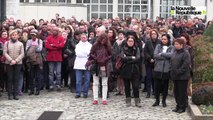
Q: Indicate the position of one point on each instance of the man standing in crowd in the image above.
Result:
(54, 45)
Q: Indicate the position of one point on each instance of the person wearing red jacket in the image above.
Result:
(54, 44)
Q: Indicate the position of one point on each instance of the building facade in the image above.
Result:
(86, 9)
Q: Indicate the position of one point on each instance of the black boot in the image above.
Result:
(31, 93)
(164, 101)
(157, 102)
(10, 98)
(15, 98)
(37, 92)
(176, 109)
(148, 95)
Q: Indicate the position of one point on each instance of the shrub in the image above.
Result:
(203, 95)
(203, 59)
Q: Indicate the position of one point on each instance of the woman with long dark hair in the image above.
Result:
(130, 71)
(101, 52)
(149, 60)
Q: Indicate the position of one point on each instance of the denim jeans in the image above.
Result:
(54, 66)
(149, 79)
(21, 81)
(79, 76)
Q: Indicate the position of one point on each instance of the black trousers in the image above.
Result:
(35, 78)
(180, 92)
(45, 76)
(135, 86)
(161, 85)
(3, 76)
(64, 73)
(13, 79)
(72, 79)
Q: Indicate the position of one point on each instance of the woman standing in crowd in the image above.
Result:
(162, 55)
(116, 52)
(80, 66)
(34, 48)
(180, 74)
(14, 53)
(149, 60)
(3, 77)
(64, 68)
(130, 56)
(101, 52)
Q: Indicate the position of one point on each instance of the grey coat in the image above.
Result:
(162, 65)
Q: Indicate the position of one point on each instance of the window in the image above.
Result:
(102, 8)
(144, 1)
(109, 8)
(128, 1)
(61, 1)
(53, 1)
(103, 15)
(120, 8)
(21, 1)
(136, 1)
(78, 1)
(136, 8)
(95, 8)
(86, 1)
(103, 1)
(109, 1)
(68, 1)
(128, 8)
(95, 15)
(45, 0)
(94, 1)
(120, 1)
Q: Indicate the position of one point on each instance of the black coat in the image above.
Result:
(131, 67)
(177, 31)
(149, 51)
(180, 65)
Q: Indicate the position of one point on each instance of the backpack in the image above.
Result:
(34, 57)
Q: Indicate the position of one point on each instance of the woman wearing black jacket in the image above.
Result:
(130, 56)
(149, 60)
(180, 74)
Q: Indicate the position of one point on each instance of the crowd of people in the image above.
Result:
(102, 54)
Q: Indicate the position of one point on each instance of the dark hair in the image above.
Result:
(180, 41)
(113, 31)
(155, 32)
(69, 36)
(121, 31)
(168, 38)
(188, 40)
(4, 31)
(76, 33)
(107, 44)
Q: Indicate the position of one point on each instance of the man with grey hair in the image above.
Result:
(99, 31)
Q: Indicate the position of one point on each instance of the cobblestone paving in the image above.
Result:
(31, 107)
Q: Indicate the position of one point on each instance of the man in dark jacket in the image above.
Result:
(177, 29)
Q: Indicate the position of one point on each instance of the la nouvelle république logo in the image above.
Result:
(187, 10)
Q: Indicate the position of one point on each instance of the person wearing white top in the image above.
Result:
(82, 51)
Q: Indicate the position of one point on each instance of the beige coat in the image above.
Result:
(13, 51)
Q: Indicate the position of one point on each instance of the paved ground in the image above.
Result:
(31, 107)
